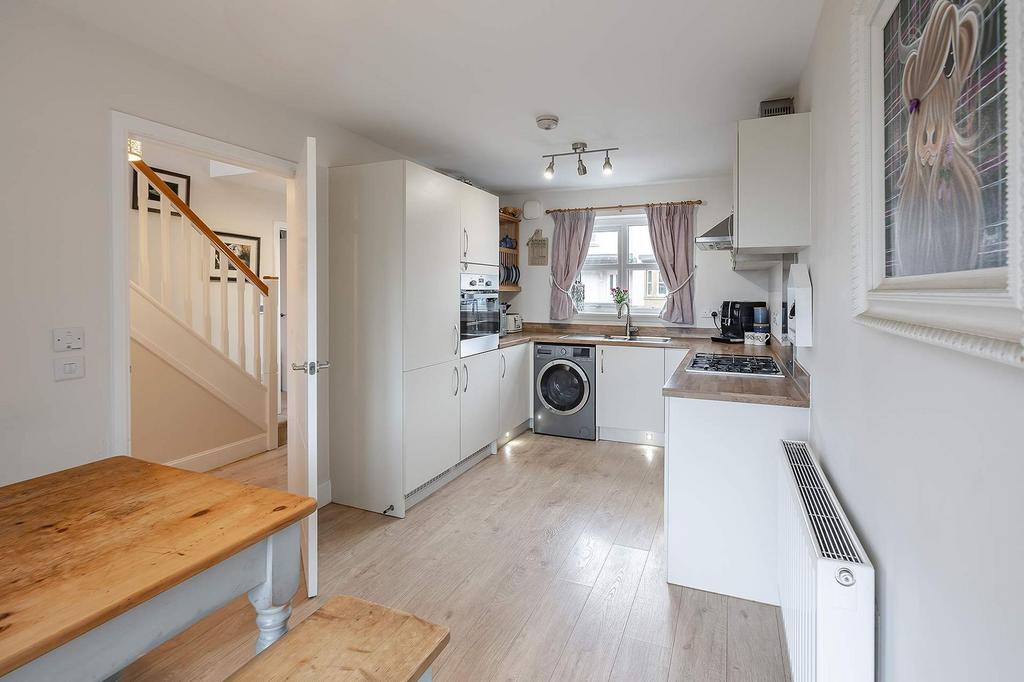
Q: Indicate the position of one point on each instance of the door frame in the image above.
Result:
(123, 126)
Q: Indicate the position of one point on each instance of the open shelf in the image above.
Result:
(508, 227)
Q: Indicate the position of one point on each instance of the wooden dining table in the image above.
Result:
(103, 562)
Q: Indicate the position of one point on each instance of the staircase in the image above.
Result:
(204, 340)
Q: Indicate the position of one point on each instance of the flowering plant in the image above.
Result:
(620, 295)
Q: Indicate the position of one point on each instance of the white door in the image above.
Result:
(629, 382)
(479, 401)
(431, 426)
(514, 394)
(432, 253)
(304, 363)
(479, 211)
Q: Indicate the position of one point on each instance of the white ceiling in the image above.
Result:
(456, 84)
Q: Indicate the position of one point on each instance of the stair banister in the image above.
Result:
(198, 223)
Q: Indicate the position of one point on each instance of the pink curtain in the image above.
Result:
(671, 230)
(568, 251)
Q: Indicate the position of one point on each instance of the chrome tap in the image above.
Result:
(630, 329)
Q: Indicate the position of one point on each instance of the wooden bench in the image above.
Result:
(351, 639)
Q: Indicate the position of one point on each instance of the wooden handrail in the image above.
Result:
(198, 223)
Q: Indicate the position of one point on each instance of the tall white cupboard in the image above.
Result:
(401, 414)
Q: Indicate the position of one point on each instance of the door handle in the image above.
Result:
(311, 367)
(465, 238)
(455, 333)
(455, 376)
(602, 361)
(466, 386)
(504, 364)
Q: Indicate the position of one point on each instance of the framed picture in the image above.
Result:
(938, 172)
(181, 184)
(245, 247)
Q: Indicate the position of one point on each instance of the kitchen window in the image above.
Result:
(620, 254)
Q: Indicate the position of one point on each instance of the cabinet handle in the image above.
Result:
(455, 376)
(455, 334)
(602, 361)
(466, 370)
(503, 365)
(465, 238)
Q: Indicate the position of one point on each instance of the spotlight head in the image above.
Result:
(549, 172)
(581, 167)
(607, 164)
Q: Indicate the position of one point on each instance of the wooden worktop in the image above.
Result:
(759, 390)
(81, 546)
(783, 391)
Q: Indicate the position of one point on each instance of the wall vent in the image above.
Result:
(777, 107)
(828, 527)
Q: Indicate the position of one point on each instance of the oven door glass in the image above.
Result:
(480, 315)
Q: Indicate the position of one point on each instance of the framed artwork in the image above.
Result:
(181, 184)
(937, 167)
(245, 247)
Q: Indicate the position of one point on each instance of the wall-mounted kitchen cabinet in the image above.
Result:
(396, 381)
(515, 397)
(772, 184)
(479, 220)
(630, 406)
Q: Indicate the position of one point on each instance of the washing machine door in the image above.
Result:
(563, 387)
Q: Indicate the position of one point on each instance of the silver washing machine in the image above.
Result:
(564, 379)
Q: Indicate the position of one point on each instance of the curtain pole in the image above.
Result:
(689, 202)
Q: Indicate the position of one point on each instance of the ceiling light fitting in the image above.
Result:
(578, 150)
(134, 149)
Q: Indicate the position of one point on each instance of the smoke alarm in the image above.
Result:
(547, 121)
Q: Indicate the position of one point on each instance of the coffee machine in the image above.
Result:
(737, 317)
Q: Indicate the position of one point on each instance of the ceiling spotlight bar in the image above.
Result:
(578, 150)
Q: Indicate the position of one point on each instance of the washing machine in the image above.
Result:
(564, 379)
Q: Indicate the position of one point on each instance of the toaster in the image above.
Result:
(514, 322)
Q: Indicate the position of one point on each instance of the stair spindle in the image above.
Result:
(240, 318)
(165, 251)
(204, 265)
(142, 194)
(189, 242)
(223, 273)
(257, 363)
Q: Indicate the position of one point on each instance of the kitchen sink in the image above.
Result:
(612, 337)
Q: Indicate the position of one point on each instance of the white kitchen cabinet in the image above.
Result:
(431, 432)
(773, 184)
(514, 383)
(432, 251)
(479, 218)
(480, 376)
(629, 383)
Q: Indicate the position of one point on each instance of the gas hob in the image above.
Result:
(734, 365)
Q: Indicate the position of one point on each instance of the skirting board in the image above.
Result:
(323, 493)
(224, 454)
(630, 436)
(515, 433)
(417, 496)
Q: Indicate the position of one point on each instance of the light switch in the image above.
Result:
(69, 368)
(68, 338)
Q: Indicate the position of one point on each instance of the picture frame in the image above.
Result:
(245, 247)
(978, 311)
(176, 181)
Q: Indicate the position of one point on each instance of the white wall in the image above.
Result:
(61, 80)
(714, 281)
(924, 445)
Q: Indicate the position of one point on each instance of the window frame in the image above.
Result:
(620, 223)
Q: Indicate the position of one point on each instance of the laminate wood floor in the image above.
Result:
(547, 561)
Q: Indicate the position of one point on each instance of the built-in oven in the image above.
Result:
(480, 317)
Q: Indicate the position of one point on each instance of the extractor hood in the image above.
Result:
(718, 238)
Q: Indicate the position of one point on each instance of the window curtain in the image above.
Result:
(568, 251)
(671, 230)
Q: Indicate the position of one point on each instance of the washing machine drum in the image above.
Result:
(563, 387)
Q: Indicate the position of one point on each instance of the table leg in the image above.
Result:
(272, 598)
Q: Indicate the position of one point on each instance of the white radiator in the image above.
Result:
(826, 583)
